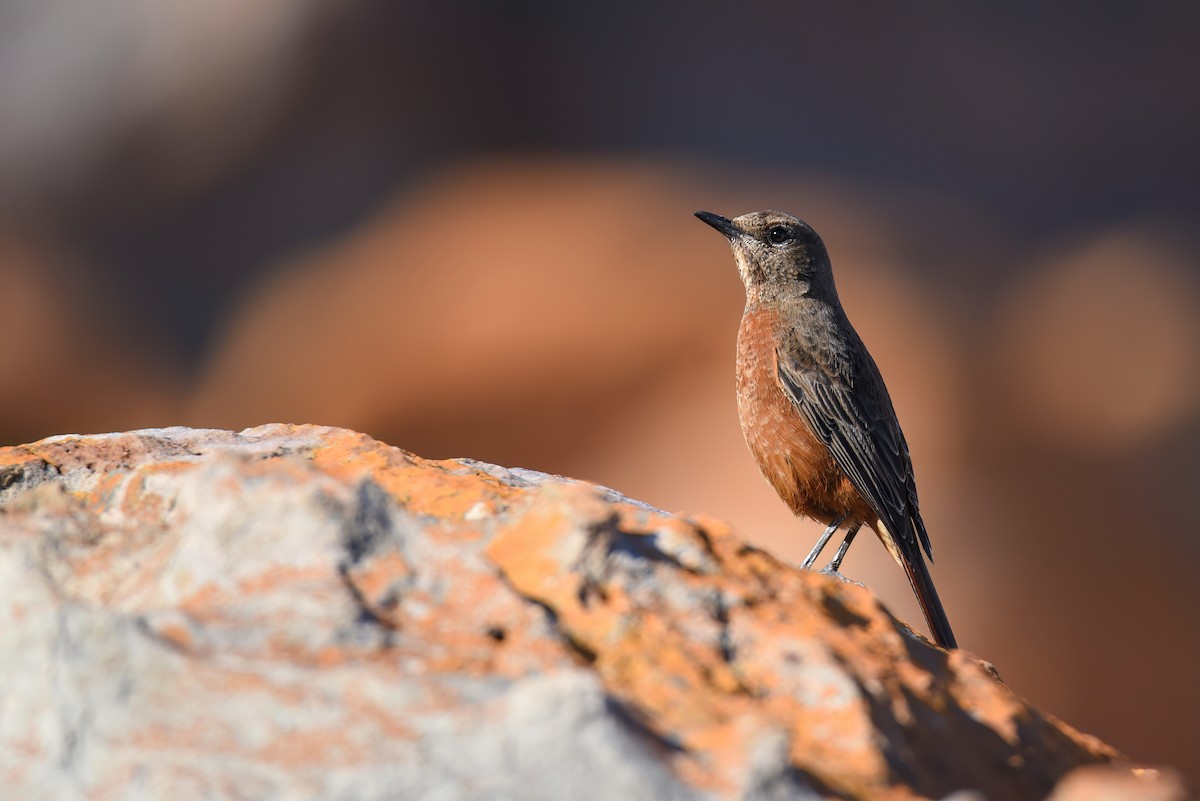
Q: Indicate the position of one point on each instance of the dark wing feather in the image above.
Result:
(845, 403)
(852, 414)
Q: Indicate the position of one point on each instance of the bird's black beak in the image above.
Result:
(722, 224)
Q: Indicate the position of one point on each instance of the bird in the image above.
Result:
(813, 407)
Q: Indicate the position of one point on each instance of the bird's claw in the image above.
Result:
(832, 572)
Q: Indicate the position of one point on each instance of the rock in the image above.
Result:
(1111, 783)
(305, 612)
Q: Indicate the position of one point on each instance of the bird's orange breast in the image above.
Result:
(793, 460)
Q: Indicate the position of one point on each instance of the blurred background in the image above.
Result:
(465, 229)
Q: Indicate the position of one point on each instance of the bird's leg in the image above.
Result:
(836, 562)
(820, 546)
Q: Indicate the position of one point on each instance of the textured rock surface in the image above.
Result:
(299, 612)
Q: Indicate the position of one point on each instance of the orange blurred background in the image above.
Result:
(466, 229)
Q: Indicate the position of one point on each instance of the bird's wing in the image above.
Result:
(852, 414)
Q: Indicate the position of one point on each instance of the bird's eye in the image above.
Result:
(778, 235)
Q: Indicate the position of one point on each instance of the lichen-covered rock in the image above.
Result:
(304, 612)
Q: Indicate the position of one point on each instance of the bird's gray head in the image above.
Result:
(778, 255)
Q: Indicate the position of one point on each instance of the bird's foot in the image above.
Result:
(832, 571)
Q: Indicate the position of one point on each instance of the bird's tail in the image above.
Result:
(931, 606)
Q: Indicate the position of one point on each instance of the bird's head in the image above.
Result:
(778, 256)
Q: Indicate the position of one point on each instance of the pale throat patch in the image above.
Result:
(739, 256)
